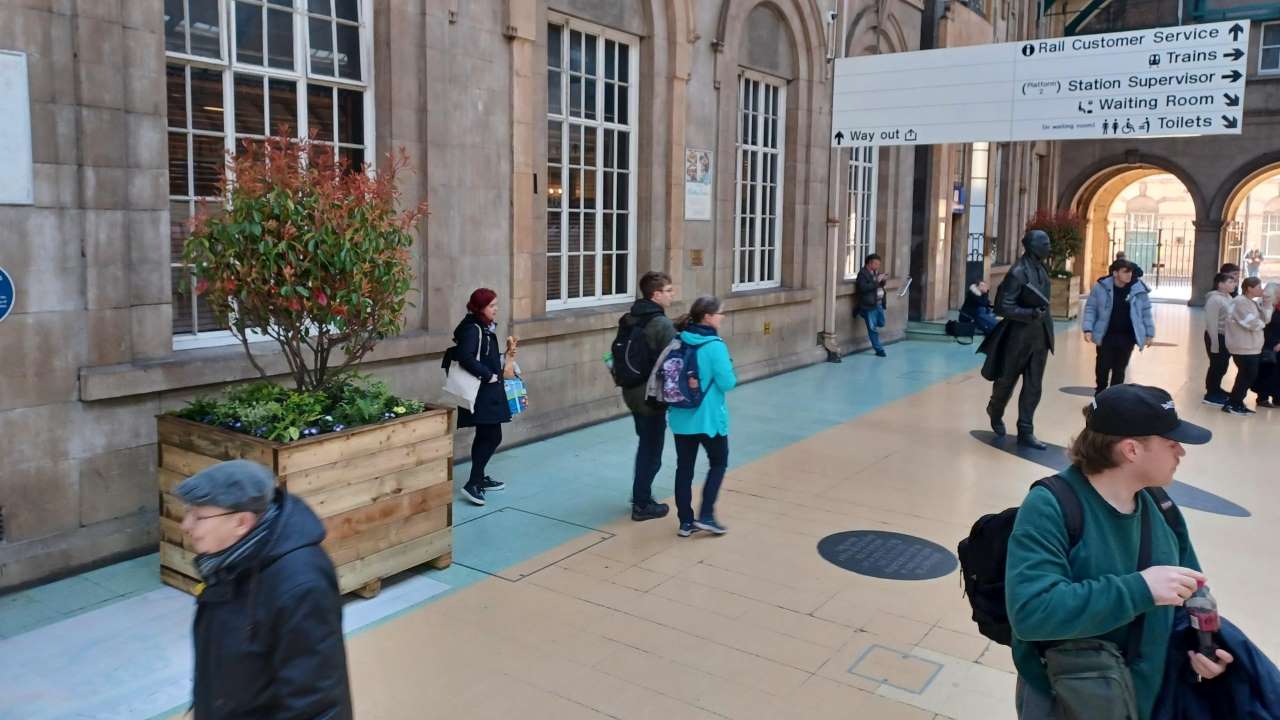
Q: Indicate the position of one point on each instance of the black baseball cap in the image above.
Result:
(1142, 411)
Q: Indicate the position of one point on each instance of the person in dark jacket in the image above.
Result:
(977, 307)
(651, 422)
(869, 300)
(476, 350)
(268, 627)
(1019, 346)
(1267, 386)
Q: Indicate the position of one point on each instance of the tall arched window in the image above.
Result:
(1271, 228)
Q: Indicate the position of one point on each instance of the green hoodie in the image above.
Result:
(1093, 590)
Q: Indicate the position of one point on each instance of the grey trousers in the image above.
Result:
(1032, 704)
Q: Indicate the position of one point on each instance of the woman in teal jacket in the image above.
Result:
(707, 425)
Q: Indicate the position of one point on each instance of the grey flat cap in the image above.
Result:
(235, 485)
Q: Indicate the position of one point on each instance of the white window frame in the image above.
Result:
(979, 172)
(1262, 47)
(229, 67)
(632, 128)
(860, 238)
(1270, 234)
(778, 148)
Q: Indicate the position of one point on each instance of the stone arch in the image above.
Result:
(1091, 192)
(808, 100)
(1226, 201)
(864, 36)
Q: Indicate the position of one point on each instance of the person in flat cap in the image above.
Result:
(1077, 597)
(268, 627)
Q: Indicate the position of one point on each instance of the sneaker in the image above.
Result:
(649, 511)
(880, 353)
(488, 484)
(1266, 404)
(711, 526)
(1218, 400)
(687, 529)
(1236, 410)
(473, 494)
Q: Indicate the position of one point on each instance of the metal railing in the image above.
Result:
(1164, 249)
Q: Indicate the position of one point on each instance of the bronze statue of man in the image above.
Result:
(1019, 346)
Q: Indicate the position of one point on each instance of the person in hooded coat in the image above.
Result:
(268, 627)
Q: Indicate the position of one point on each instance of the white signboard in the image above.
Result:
(15, 130)
(1186, 80)
(697, 184)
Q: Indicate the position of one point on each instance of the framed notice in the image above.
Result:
(16, 187)
(697, 184)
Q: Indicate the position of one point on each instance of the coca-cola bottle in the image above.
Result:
(1202, 608)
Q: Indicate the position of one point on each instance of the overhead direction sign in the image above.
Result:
(1186, 80)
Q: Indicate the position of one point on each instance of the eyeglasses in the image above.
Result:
(198, 518)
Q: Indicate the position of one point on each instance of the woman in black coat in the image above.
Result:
(476, 350)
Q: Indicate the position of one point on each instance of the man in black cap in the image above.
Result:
(1019, 347)
(1093, 590)
(268, 628)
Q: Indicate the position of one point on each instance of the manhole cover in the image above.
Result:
(887, 555)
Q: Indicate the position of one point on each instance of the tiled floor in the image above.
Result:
(562, 608)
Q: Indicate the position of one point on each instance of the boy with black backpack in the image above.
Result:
(1097, 558)
(643, 333)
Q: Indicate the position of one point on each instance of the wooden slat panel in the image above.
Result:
(308, 482)
(171, 532)
(169, 479)
(393, 560)
(178, 580)
(367, 492)
(171, 507)
(212, 441)
(386, 536)
(326, 450)
(175, 558)
(182, 461)
(399, 507)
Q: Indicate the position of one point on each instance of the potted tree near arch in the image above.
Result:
(315, 256)
(1066, 231)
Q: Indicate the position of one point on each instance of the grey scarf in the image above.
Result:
(224, 564)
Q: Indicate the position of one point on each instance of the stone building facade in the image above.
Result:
(555, 142)
(1218, 171)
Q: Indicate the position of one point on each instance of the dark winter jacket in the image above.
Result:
(1248, 690)
(867, 290)
(1012, 303)
(975, 303)
(472, 340)
(268, 640)
(658, 333)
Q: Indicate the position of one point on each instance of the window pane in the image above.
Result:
(553, 187)
(610, 108)
(622, 279)
(250, 109)
(623, 101)
(589, 191)
(589, 104)
(555, 239)
(1270, 59)
(610, 60)
(575, 277)
(350, 117)
(554, 39)
(207, 163)
(281, 3)
(352, 158)
(248, 33)
(575, 95)
(205, 28)
(321, 7)
(1271, 34)
(589, 54)
(178, 164)
(321, 46)
(606, 274)
(575, 188)
(575, 144)
(608, 190)
(280, 39)
(176, 90)
(624, 151)
(553, 279)
(206, 99)
(555, 151)
(589, 245)
(347, 9)
(575, 51)
(181, 301)
(624, 198)
(620, 232)
(608, 160)
(320, 111)
(589, 156)
(555, 104)
(349, 52)
(284, 107)
(175, 26)
(606, 231)
(624, 57)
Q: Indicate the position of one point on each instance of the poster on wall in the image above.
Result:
(697, 184)
(16, 186)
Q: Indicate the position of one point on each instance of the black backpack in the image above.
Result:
(983, 555)
(960, 330)
(633, 359)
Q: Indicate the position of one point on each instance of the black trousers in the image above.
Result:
(1108, 369)
(1267, 385)
(1218, 363)
(651, 431)
(488, 438)
(1026, 355)
(1246, 373)
(717, 448)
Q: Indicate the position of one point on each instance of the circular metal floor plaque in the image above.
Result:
(887, 555)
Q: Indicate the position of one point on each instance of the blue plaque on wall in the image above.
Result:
(6, 294)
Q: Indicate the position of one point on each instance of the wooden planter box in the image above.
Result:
(384, 491)
(1064, 298)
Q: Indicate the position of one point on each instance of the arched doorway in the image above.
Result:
(1148, 214)
(1251, 231)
